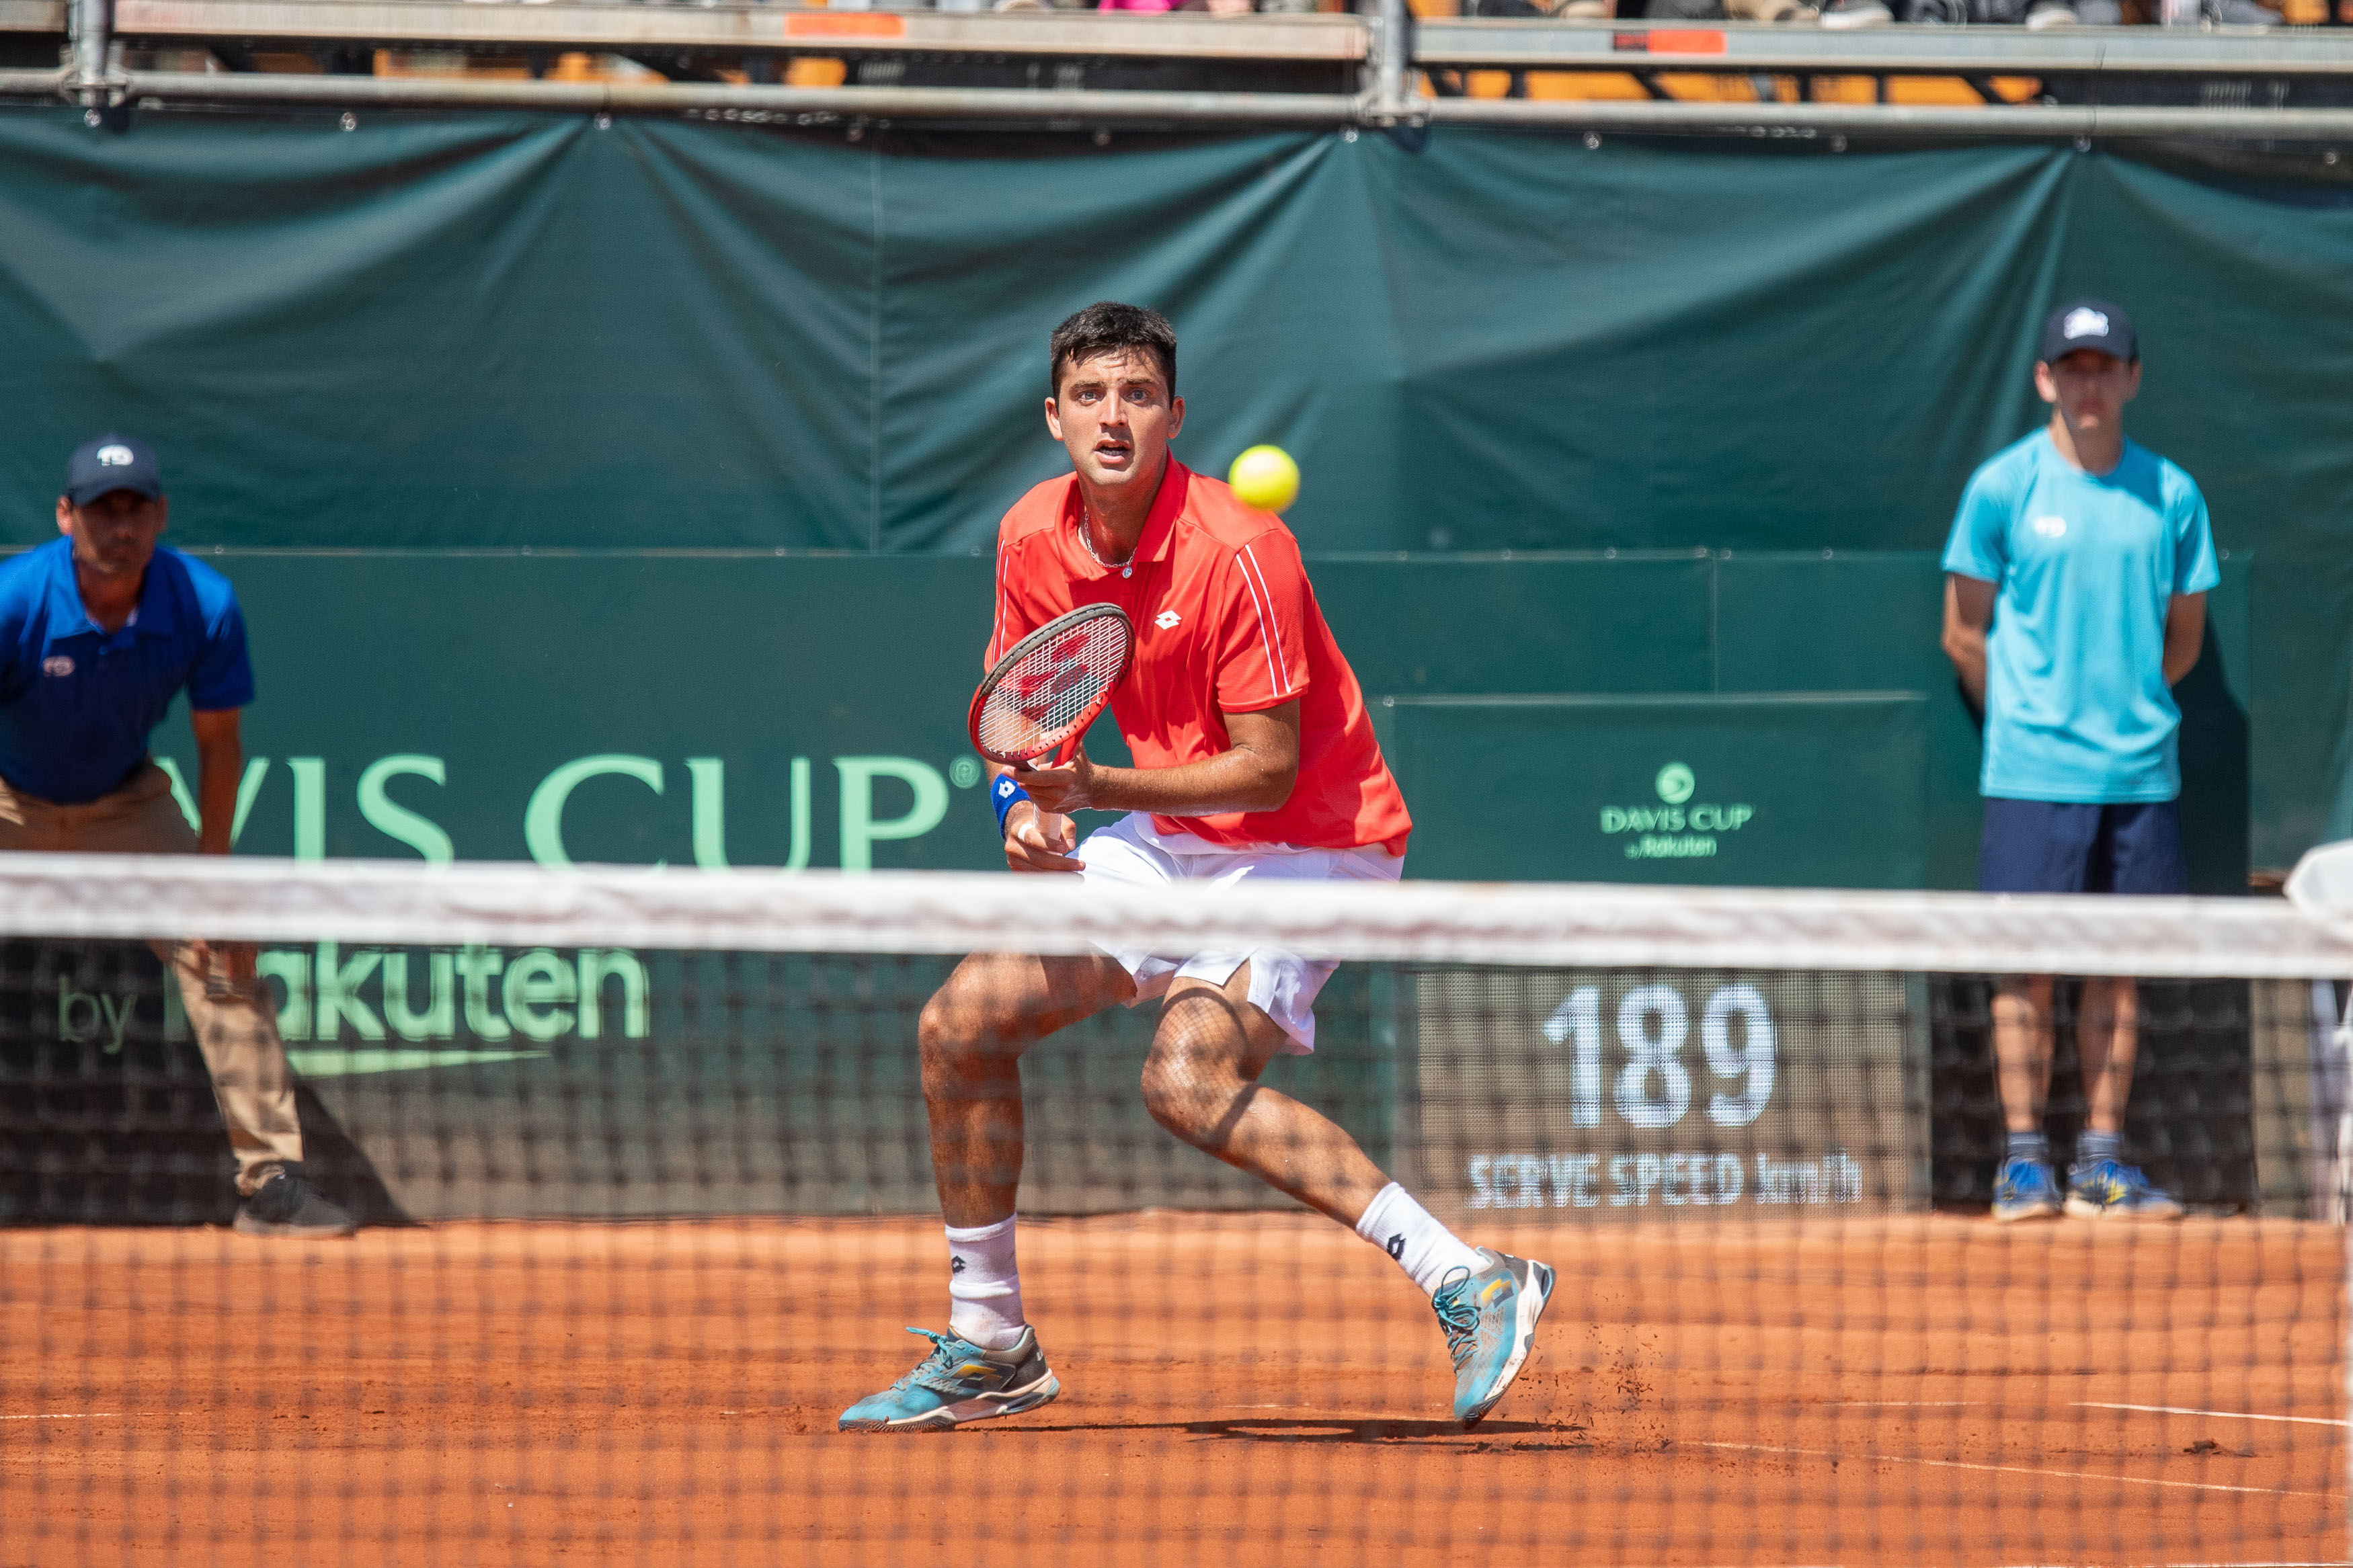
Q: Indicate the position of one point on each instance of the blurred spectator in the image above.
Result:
(2040, 14)
(1215, 7)
(1849, 14)
(1452, 84)
(1731, 10)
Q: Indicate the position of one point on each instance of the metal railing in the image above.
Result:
(1377, 59)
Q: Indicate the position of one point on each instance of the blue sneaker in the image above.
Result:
(2110, 1189)
(958, 1382)
(1489, 1319)
(2026, 1189)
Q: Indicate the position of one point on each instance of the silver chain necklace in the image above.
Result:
(1087, 544)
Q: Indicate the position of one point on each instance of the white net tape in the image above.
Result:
(252, 899)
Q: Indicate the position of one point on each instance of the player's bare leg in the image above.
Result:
(1200, 1081)
(972, 1034)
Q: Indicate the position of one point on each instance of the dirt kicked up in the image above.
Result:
(1246, 1389)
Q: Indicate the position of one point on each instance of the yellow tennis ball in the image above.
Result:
(1265, 477)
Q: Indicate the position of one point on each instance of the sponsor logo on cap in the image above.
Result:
(2050, 527)
(115, 457)
(57, 664)
(2083, 322)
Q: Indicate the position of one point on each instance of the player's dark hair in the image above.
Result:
(1105, 327)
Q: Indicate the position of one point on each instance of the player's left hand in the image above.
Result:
(1065, 789)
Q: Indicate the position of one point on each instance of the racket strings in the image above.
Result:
(1048, 693)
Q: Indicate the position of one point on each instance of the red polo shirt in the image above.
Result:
(1225, 623)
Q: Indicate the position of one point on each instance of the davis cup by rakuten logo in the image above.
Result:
(1673, 830)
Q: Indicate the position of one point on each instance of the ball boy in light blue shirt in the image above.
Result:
(2074, 598)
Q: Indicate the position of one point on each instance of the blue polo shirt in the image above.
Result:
(77, 704)
(2077, 709)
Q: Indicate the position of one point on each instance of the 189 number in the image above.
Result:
(1653, 1024)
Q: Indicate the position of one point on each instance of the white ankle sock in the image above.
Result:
(984, 1286)
(1424, 1248)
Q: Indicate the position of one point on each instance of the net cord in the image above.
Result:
(406, 903)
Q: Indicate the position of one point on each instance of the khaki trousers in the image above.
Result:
(236, 1023)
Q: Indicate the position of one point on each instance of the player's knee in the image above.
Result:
(1183, 1098)
(958, 1035)
(1165, 1098)
(945, 1035)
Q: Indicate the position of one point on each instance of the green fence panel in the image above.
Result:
(1782, 790)
(1510, 622)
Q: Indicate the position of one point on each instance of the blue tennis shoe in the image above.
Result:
(2025, 1189)
(1489, 1319)
(958, 1382)
(2110, 1189)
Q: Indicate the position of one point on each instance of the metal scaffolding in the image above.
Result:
(1378, 61)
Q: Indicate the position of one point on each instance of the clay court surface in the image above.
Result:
(1252, 1389)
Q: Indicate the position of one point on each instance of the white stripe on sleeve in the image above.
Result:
(1278, 669)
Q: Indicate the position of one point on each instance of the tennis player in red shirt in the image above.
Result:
(1255, 761)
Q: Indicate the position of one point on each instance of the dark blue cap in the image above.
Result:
(2089, 324)
(111, 463)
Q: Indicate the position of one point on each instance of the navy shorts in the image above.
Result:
(2063, 847)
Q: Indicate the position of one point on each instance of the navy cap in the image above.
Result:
(111, 463)
(2089, 324)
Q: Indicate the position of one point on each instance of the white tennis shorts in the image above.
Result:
(1283, 985)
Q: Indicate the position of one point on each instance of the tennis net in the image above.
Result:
(642, 1166)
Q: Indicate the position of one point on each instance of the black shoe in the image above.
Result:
(284, 1204)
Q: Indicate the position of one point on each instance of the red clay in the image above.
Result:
(1251, 1389)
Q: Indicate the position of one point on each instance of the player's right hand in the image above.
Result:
(227, 967)
(1040, 840)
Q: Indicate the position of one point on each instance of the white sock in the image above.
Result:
(984, 1286)
(1424, 1248)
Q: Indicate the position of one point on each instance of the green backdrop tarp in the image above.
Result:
(509, 329)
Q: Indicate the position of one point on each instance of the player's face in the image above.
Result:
(2091, 388)
(1113, 414)
(114, 534)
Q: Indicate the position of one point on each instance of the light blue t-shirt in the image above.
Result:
(2076, 704)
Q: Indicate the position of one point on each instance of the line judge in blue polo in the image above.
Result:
(99, 630)
(2074, 598)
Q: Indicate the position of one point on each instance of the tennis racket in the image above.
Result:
(1049, 686)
